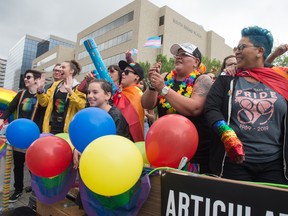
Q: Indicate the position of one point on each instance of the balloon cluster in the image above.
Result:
(105, 164)
(110, 164)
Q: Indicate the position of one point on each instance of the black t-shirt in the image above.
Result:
(122, 127)
(27, 107)
(204, 131)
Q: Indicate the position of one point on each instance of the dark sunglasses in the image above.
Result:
(28, 77)
(126, 72)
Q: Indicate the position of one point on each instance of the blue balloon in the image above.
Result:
(21, 133)
(89, 124)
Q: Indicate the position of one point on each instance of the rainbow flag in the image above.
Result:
(128, 203)
(6, 96)
(128, 101)
(3, 146)
(153, 42)
(51, 190)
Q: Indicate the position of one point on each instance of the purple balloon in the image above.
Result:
(46, 134)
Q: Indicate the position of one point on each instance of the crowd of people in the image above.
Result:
(240, 115)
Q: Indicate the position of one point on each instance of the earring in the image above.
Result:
(258, 55)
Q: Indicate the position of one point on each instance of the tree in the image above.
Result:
(281, 60)
(169, 64)
(214, 63)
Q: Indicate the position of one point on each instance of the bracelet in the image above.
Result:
(151, 87)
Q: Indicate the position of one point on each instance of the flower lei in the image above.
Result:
(185, 88)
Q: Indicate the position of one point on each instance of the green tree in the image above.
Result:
(145, 65)
(214, 63)
(167, 64)
(281, 60)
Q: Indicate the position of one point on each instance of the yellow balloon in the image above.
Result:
(141, 147)
(110, 165)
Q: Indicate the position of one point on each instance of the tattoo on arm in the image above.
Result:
(202, 86)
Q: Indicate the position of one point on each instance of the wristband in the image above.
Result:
(151, 87)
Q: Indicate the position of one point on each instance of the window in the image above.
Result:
(161, 20)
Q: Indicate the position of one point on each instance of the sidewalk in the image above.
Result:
(27, 182)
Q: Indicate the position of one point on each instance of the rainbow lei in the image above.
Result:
(185, 88)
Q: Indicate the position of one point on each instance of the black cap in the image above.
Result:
(135, 67)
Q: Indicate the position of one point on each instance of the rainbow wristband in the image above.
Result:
(232, 144)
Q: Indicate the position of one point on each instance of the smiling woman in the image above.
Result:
(254, 128)
(63, 100)
(182, 91)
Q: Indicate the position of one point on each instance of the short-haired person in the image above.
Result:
(63, 100)
(249, 114)
(26, 105)
(56, 76)
(182, 91)
(128, 98)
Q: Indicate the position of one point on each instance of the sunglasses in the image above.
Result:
(56, 70)
(126, 72)
(28, 77)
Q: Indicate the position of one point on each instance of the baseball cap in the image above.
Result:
(135, 67)
(187, 47)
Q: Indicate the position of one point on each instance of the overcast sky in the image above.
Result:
(65, 18)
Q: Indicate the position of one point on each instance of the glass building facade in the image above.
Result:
(19, 60)
(2, 71)
(23, 53)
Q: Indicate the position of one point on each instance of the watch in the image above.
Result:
(164, 91)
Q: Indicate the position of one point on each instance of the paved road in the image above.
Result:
(27, 182)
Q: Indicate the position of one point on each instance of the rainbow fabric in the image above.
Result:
(129, 103)
(3, 146)
(283, 71)
(51, 190)
(232, 144)
(274, 79)
(6, 96)
(128, 203)
(153, 42)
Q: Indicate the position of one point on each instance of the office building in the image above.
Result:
(20, 57)
(2, 71)
(130, 26)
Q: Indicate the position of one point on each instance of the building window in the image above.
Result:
(110, 43)
(161, 36)
(161, 20)
(113, 25)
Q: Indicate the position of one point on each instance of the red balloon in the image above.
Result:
(169, 139)
(48, 156)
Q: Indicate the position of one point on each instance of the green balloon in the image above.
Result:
(141, 147)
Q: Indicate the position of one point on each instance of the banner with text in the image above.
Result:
(197, 195)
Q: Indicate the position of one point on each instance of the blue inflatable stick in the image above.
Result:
(91, 48)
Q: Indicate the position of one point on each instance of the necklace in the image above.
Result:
(185, 88)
